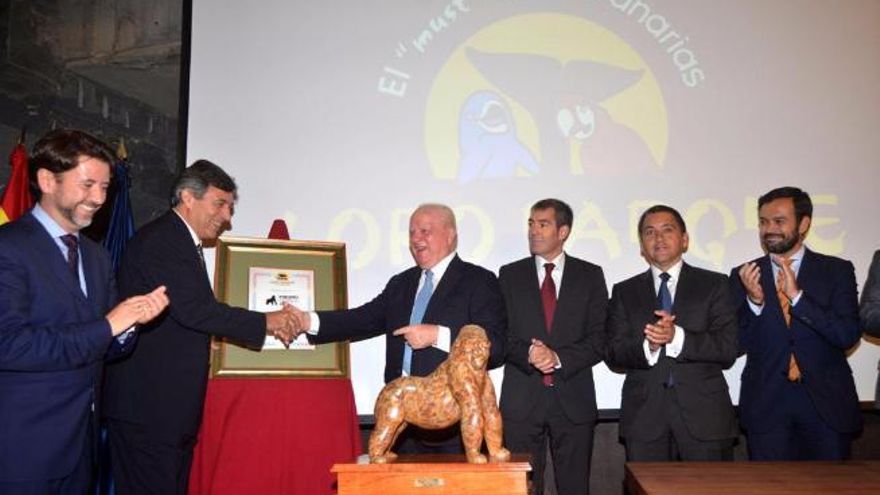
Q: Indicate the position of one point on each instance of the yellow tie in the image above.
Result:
(794, 372)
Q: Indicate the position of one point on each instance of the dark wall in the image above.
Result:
(111, 68)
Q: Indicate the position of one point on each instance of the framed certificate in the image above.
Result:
(263, 274)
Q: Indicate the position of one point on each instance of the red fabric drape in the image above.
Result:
(274, 436)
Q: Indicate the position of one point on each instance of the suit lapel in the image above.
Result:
(647, 294)
(97, 290)
(684, 289)
(567, 293)
(532, 288)
(807, 271)
(47, 250)
(408, 295)
(768, 284)
(442, 290)
(180, 228)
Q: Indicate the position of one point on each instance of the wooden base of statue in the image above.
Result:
(434, 474)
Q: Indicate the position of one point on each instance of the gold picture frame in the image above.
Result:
(311, 272)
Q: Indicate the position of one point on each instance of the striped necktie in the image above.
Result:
(794, 371)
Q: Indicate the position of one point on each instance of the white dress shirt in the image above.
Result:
(673, 348)
(444, 334)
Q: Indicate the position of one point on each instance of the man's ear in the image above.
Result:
(187, 198)
(804, 226)
(46, 181)
(564, 232)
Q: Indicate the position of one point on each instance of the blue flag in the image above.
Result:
(120, 230)
(121, 226)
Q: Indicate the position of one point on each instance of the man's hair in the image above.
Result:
(803, 205)
(662, 209)
(60, 150)
(562, 212)
(444, 211)
(198, 177)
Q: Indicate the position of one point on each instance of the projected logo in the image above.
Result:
(544, 94)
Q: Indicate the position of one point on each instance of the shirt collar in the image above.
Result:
(798, 255)
(795, 258)
(558, 262)
(192, 233)
(49, 223)
(440, 268)
(674, 271)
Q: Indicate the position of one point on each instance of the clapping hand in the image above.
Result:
(660, 332)
(750, 276)
(786, 276)
(137, 310)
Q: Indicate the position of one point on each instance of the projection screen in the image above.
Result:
(341, 116)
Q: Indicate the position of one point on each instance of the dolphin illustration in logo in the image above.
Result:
(487, 140)
(565, 101)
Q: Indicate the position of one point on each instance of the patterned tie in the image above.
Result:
(201, 257)
(418, 311)
(794, 372)
(72, 244)
(664, 302)
(548, 300)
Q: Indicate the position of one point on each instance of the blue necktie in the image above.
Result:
(664, 300)
(418, 311)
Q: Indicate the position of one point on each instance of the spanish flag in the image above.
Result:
(16, 198)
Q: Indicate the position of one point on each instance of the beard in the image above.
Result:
(780, 243)
(71, 214)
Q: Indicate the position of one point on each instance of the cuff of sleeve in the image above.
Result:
(673, 349)
(652, 357)
(122, 337)
(315, 323)
(444, 338)
(755, 308)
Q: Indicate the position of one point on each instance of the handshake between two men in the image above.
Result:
(284, 324)
(290, 322)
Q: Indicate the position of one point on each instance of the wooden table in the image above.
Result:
(753, 478)
(434, 474)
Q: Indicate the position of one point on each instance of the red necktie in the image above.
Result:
(548, 300)
(72, 244)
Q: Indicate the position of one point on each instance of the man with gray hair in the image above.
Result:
(154, 398)
(420, 312)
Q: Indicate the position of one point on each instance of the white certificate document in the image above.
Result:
(270, 288)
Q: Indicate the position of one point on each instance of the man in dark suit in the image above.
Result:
(59, 320)
(556, 307)
(869, 310)
(798, 315)
(421, 311)
(673, 330)
(154, 397)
